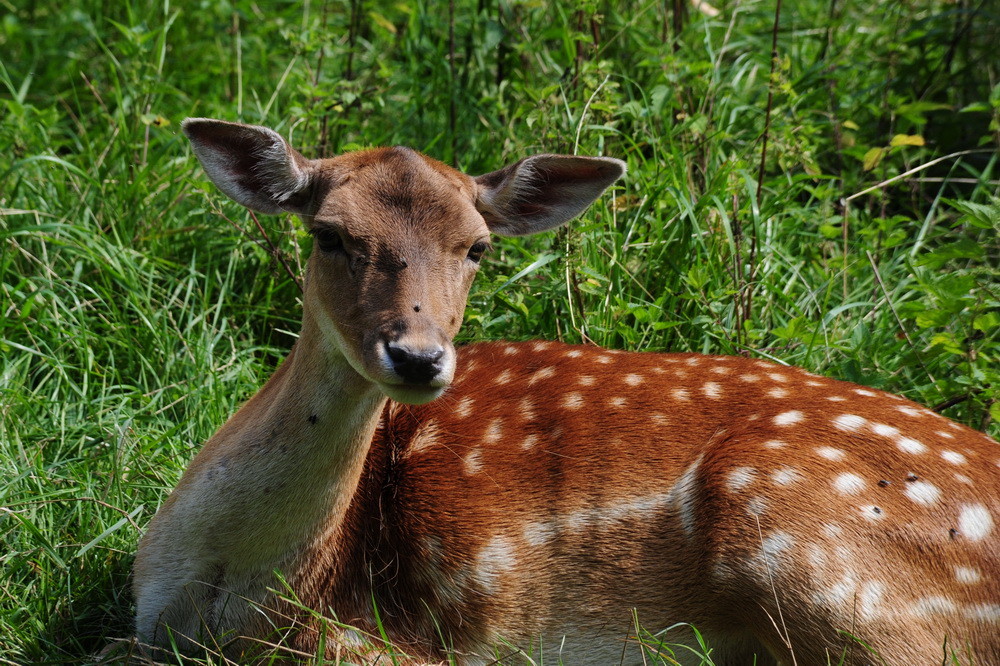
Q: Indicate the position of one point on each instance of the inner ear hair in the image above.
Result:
(254, 165)
(543, 191)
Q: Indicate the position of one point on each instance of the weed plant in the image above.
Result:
(833, 205)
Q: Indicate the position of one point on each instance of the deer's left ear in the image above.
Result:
(543, 191)
(253, 165)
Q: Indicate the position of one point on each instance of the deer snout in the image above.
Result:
(416, 361)
(416, 364)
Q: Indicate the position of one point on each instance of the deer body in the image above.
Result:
(556, 488)
(534, 496)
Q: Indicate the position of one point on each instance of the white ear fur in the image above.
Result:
(543, 191)
(252, 164)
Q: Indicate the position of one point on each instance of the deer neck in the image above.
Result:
(275, 479)
(317, 429)
(282, 471)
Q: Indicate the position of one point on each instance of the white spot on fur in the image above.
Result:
(574, 353)
(683, 497)
(658, 418)
(831, 531)
(909, 411)
(493, 431)
(510, 349)
(849, 483)
(634, 380)
(771, 548)
(496, 559)
(757, 506)
(953, 457)
(503, 378)
(464, 407)
(946, 435)
(836, 398)
(527, 408)
(721, 370)
(975, 522)
(680, 394)
(750, 378)
(983, 612)
(739, 478)
(830, 453)
(777, 393)
(816, 557)
(774, 444)
(922, 492)
(617, 401)
(786, 476)
(712, 390)
(870, 599)
(885, 430)
(586, 380)
(788, 418)
(544, 373)
(849, 422)
(968, 575)
(573, 400)
(777, 376)
(529, 442)
(843, 591)
(604, 359)
(694, 360)
(814, 383)
(539, 533)
(473, 462)
(961, 478)
(872, 512)
(931, 606)
(425, 438)
(909, 445)
(866, 393)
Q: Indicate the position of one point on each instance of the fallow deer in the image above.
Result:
(544, 497)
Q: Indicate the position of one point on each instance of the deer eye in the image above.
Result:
(328, 240)
(477, 250)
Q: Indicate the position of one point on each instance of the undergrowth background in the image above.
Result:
(833, 207)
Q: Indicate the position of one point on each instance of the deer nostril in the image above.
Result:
(415, 366)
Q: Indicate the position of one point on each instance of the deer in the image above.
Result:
(507, 501)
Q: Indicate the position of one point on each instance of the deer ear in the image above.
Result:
(543, 191)
(253, 165)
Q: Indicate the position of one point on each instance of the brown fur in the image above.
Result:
(602, 455)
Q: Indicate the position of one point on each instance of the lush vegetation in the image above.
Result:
(833, 207)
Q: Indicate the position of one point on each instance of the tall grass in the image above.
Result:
(140, 308)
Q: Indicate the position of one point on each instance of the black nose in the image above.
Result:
(415, 366)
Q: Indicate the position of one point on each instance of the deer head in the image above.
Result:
(398, 237)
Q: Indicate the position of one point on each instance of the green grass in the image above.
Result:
(140, 308)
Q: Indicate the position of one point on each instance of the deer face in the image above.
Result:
(398, 240)
(398, 237)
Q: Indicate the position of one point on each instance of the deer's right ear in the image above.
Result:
(543, 191)
(253, 165)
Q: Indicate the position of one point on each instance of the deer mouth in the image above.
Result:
(412, 394)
